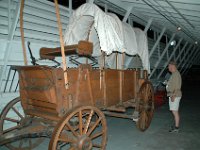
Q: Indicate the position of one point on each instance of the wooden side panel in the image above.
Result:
(41, 90)
(128, 85)
(70, 94)
(80, 90)
(96, 77)
(112, 87)
(37, 91)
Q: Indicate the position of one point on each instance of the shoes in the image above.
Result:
(174, 129)
(135, 116)
(135, 119)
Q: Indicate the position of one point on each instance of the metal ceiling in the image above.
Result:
(165, 13)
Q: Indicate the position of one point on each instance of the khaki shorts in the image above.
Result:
(175, 104)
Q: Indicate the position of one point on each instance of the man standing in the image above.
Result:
(174, 93)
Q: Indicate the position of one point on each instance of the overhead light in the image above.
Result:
(173, 43)
(196, 42)
(178, 28)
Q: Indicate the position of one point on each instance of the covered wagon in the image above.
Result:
(68, 104)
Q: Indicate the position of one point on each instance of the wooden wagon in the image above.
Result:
(72, 113)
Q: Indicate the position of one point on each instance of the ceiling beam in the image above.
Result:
(180, 13)
(148, 25)
(128, 12)
(190, 61)
(157, 42)
(162, 55)
(183, 60)
(169, 59)
(70, 7)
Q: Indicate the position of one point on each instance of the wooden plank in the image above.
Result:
(38, 103)
(112, 87)
(128, 85)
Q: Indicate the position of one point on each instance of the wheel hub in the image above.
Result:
(84, 143)
(25, 122)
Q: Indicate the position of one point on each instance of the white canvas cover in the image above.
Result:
(107, 33)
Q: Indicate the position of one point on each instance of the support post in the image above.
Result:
(190, 65)
(90, 1)
(70, 8)
(191, 62)
(148, 25)
(157, 42)
(128, 12)
(188, 60)
(197, 59)
(130, 21)
(9, 16)
(106, 7)
(179, 65)
(181, 51)
(10, 39)
(162, 55)
(169, 59)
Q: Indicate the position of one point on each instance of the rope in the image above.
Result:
(62, 45)
(22, 32)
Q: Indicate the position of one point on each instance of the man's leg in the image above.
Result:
(176, 118)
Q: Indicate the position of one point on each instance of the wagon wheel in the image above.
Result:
(90, 131)
(145, 106)
(13, 118)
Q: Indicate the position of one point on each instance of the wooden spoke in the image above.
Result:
(12, 120)
(146, 106)
(81, 136)
(20, 144)
(30, 143)
(80, 123)
(96, 145)
(4, 117)
(15, 124)
(17, 112)
(88, 122)
(93, 127)
(96, 135)
(66, 140)
(10, 129)
(71, 129)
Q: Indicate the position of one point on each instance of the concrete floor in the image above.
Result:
(123, 134)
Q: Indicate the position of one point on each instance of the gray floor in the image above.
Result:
(123, 134)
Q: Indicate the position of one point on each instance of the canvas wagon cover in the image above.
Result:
(108, 33)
